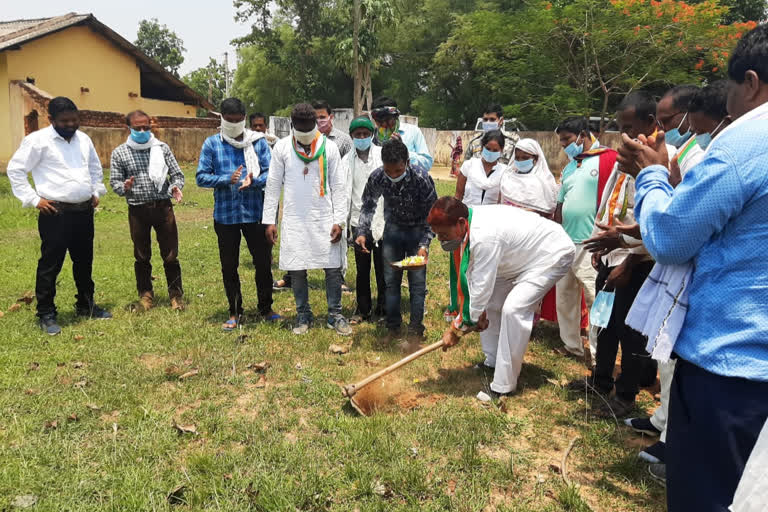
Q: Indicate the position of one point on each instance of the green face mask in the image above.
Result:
(384, 134)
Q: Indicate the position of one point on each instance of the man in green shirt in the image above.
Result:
(581, 181)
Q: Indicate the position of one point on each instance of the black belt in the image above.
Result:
(160, 203)
(73, 207)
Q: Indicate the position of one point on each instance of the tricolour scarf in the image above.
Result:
(459, 285)
(317, 152)
(252, 165)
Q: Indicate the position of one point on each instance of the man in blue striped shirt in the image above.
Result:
(235, 164)
(716, 219)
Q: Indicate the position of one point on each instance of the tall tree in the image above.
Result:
(208, 81)
(161, 43)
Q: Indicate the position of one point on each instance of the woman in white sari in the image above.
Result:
(528, 182)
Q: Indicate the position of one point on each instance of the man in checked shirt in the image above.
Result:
(145, 172)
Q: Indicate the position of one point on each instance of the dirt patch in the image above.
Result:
(389, 395)
(153, 361)
(191, 214)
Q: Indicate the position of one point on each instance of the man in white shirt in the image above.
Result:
(68, 182)
(503, 262)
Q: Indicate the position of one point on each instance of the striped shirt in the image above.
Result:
(128, 162)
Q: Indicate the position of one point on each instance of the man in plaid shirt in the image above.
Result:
(235, 164)
(145, 172)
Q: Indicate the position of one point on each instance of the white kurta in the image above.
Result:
(515, 258)
(305, 232)
(481, 188)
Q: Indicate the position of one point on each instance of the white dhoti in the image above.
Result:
(659, 418)
(510, 320)
(581, 276)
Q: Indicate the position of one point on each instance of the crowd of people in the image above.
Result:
(660, 237)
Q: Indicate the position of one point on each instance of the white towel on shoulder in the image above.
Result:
(158, 169)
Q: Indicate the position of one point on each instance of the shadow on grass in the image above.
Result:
(467, 381)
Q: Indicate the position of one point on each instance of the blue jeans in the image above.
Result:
(399, 242)
(300, 288)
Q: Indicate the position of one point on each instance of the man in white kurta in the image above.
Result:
(306, 168)
(505, 259)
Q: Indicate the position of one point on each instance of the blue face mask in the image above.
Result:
(524, 166)
(490, 125)
(704, 139)
(573, 150)
(363, 144)
(396, 180)
(600, 314)
(491, 156)
(676, 138)
(140, 137)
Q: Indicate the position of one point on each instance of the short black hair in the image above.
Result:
(682, 96)
(495, 108)
(641, 101)
(383, 101)
(303, 112)
(256, 115)
(322, 105)
(394, 151)
(751, 53)
(711, 100)
(574, 125)
(232, 106)
(135, 113)
(59, 105)
(493, 135)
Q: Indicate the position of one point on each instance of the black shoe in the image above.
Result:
(583, 384)
(482, 367)
(93, 311)
(615, 406)
(654, 453)
(642, 426)
(49, 326)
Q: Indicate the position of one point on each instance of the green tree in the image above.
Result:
(209, 81)
(160, 43)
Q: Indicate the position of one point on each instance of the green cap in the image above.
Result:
(361, 122)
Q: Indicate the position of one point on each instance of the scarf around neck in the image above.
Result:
(316, 152)
(158, 169)
(459, 284)
(252, 164)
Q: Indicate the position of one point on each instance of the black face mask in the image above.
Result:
(66, 133)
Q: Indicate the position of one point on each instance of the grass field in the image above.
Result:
(87, 418)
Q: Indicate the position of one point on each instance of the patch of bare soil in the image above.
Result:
(388, 395)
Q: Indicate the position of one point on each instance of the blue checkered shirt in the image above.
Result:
(218, 161)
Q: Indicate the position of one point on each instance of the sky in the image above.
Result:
(205, 27)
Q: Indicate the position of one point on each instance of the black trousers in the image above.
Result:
(229, 254)
(157, 215)
(636, 364)
(66, 231)
(713, 425)
(363, 282)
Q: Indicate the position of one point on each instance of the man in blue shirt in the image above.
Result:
(716, 219)
(388, 126)
(235, 164)
(409, 193)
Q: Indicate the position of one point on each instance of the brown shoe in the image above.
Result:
(177, 304)
(146, 301)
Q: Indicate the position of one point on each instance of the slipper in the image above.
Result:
(229, 326)
(272, 317)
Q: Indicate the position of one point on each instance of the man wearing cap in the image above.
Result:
(387, 118)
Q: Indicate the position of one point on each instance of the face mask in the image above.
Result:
(396, 180)
(524, 166)
(386, 133)
(450, 245)
(573, 150)
(674, 136)
(232, 130)
(704, 139)
(324, 125)
(305, 138)
(140, 137)
(66, 133)
(363, 144)
(491, 156)
(600, 314)
(490, 125)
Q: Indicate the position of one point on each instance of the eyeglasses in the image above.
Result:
(382, 113)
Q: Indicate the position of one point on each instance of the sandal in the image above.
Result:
(356, 319)
(229, 326)
(272, 317)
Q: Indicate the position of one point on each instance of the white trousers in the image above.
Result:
(510, 320)
(660, 415)
(580, 276)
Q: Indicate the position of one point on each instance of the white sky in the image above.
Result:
(205, 27)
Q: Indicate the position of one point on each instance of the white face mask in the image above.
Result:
(305, 138)
(232, 130)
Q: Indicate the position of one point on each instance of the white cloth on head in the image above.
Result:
(158, 169)
(535, 190)
(64, 171)
(252, 165)
(305, 231)
(515, 258)
(481, 188)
